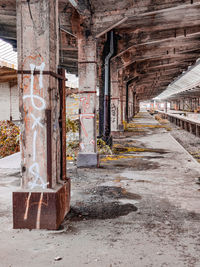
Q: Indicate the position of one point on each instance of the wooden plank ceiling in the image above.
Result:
(157, 39)
(8, 75)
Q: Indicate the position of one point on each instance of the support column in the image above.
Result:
(165, 107)
(87, 67)
(115, 99)
(43, 201)
(127, 103)
(121, 111)
(134, 103)
(124, 102)
(137, 107)
(124, 108)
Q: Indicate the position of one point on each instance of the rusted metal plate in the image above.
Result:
(41, 210)
(62, 91)
(49, 149)
(45, 72)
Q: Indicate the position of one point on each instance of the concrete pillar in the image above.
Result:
(197, 130)
(124, 108)
(137, 105)
(115, 99)
(44, 199)
(124, 102)
(121, 110)
(165, 108)
(87, 68)
(132, 103)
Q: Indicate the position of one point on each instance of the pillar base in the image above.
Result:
(116, 134)
(87, 160)
(41, 209)
(121, 127)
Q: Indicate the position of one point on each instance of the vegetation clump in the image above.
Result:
(72, 125)
(9, 138)
(72, 149)
(103, 149)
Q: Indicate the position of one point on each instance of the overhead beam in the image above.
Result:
(149, 36)
(114, 25)
(168, 43)
(152, 53)
(165, 10)
(82, 7)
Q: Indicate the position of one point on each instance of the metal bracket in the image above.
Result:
(36, 72)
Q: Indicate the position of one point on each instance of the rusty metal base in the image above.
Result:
(41, 210)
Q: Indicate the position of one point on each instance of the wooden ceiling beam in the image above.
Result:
(160, 17)
(168, 44)
(82, 7)
(140, 37)
(153, 53)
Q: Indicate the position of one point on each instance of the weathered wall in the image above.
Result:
(15, 103)
(4, 101)
(72, 106)
(9, 102)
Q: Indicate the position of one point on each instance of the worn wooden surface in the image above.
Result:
(160, 37)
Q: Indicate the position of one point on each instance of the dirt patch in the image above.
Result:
(118, 149)
(189, 141)
(143, 181)
(138, 164)
(114, 192)
(99, 211)
(65, 229)
(134, 132)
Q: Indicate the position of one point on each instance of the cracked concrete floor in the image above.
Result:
(140, 208)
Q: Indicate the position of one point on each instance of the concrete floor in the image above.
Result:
(139, 209)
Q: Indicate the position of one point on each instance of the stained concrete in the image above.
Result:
(124, 213)
(87, 160)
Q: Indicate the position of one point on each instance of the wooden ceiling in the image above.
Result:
(7, 75)
(157, 39)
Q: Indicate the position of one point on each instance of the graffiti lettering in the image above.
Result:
(38, 104)
(32, 96)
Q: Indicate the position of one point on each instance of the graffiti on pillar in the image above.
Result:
(86, 115)
(85, 101)
(35, 103)
(113, 113)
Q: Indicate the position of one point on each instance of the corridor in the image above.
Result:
(140, 206)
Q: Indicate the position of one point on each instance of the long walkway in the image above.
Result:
(141, 208)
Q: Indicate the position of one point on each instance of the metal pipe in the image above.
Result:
(106, 130)
(127, 96)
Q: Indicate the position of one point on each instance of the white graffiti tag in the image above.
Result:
(36, 121)
(32, 96)
(38, 103)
